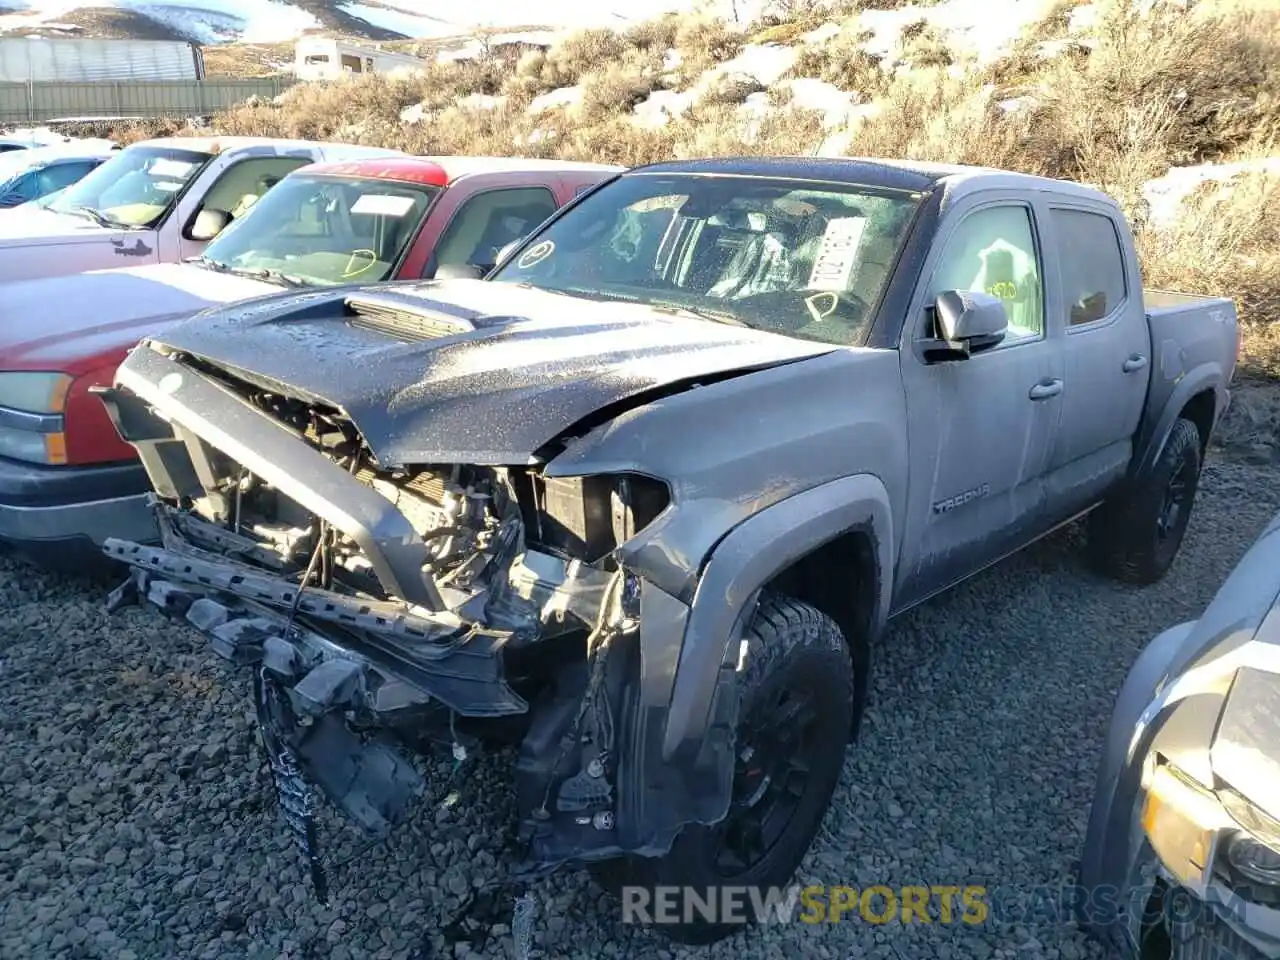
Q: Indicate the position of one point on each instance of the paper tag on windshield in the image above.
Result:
(165, 167)
(837, 254)
(383, 204)
(653, 204)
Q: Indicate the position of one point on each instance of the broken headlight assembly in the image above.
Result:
(585, 518)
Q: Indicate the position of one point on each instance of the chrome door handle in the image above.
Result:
(1046, 389)
(1134, 363)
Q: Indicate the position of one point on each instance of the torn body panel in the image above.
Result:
(379, 606)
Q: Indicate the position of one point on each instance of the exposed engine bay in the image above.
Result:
(512, 623)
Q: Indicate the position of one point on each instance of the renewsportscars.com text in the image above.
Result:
(968, 904)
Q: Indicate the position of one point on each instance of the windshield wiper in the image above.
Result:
(100, 218)
(262, 273)
(255, 273)
(715, 316)
(700, 313)
(208, 263)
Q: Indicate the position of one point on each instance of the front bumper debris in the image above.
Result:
(426, 617)
(329, 712)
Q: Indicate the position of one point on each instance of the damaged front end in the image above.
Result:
(384, 609)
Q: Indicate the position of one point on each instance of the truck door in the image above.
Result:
(1106, 352)
(231, 190)
(980, 429)
(478, 223)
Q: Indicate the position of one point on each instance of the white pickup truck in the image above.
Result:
(158, 201)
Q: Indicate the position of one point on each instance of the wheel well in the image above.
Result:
(1199, 410)
(840, 579)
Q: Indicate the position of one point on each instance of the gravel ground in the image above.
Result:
(137, 820)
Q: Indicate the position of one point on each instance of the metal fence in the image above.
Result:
(43, 101)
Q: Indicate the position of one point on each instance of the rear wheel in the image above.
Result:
(796, 710)
(1136, 538)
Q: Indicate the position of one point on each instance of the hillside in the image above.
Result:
(275, 21)
(1173, 106)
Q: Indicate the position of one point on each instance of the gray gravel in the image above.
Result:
(136, 820)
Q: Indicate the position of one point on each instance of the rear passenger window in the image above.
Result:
(1091, 263)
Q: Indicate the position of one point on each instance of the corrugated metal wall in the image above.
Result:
(23, 59)
(22, 103)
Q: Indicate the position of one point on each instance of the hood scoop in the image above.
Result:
(404, 319)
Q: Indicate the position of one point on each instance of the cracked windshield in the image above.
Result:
(134, 189)
(324, 230)
(804, 259)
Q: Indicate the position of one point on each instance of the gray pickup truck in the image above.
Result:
(643, 499)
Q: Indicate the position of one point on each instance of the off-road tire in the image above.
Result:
(789, 642)
(1124, 536)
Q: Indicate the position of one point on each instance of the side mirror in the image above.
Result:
(967, 322)
(209, 223)
(502, 253)
(458, 271)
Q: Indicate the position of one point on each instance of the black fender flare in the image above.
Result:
(1206, 376)
(742, 562)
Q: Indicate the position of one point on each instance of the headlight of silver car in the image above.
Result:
(1254, 859)
(1254, 851)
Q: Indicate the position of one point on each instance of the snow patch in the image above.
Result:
(535, 136)
(560, 98)
(983, 29)
(822, 34)
(403, 20)
(1166, 195)
(766, 62)
(41, 135)
(1084, 18)
(271, 21)
(413, 114)
(662, 106)
(206, 21)
(1017, 105)
(481, 101)
(408, 16)
(835, 105)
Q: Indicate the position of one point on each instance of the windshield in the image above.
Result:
(790, 256)
(135, 188)
(325, 229)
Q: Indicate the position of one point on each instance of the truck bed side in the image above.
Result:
(1194, 345)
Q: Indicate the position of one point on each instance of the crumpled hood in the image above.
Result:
(535, 364)
(32, 226)
(65, 323)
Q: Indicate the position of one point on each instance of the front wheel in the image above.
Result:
(1136, 538)
(796, 710)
